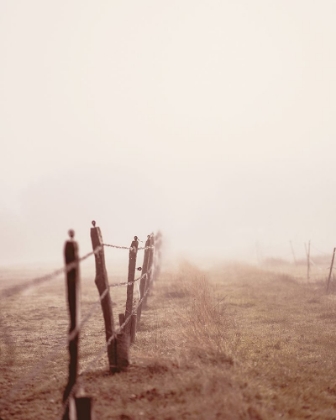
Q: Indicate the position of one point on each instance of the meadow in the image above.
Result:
(233, 341)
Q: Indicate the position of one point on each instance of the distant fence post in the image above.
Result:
(292, 248)
(157, 254)
(131, 324)
(308, 259)
(101, 281)
(150, 267)
(331, 269)
(143, 281)
(73, 291)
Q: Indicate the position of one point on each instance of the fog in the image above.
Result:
(213, 121)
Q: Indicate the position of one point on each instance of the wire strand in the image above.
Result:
(11, 291)
(101, 352)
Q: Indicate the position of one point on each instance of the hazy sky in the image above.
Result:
(212, 120)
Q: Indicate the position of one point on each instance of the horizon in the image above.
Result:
(211, 121)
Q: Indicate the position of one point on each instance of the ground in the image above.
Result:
(230, 342)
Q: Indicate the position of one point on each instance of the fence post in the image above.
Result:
(130, 326)
(308, 261)
(101, 281)
(331, 269)
(292, 248)
(143, 281)
(73, 291)
(150, 268)
(158, 253)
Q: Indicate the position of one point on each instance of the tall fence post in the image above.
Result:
(331, 269)
(73, 291)
(101, 281)
(131, 324)
(143, 281)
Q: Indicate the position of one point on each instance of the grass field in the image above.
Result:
(230, 342)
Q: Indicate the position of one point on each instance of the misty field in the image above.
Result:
(231, 342)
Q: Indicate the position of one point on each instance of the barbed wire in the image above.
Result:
(125, 283)
(118, 246)
(39, 280)
(128, 247)
(146, 247)
(103, 349)
(114, 335)
(101, 352)
(321, 252)
(64, 342)
(57, 348)
(318, 266)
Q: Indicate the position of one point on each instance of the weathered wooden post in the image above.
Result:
(117, 344)
(143, 281)
(84, 408)
(130, 326)
(73, 291)
(101, 281)
(331, 269)
(150, 268)
(158, 253)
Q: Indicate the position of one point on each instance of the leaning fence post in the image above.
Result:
(143, 281)
(73, 291)
(130, 326)
(331, 269)
(101, 281)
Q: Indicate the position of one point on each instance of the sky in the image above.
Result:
(210, 120)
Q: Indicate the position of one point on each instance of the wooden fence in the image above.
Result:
(76, 405)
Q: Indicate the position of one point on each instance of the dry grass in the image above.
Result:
(232, 343)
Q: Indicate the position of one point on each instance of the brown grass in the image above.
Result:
(235, 342)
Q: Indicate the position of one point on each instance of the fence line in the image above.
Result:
(118, 331)
(117, 246)
(63, 343)
(58, 347)
(125, 283)
(117, 340)
(69, 268)
(39, 280)
(317, 265)
(98, 356)
(34, 282)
